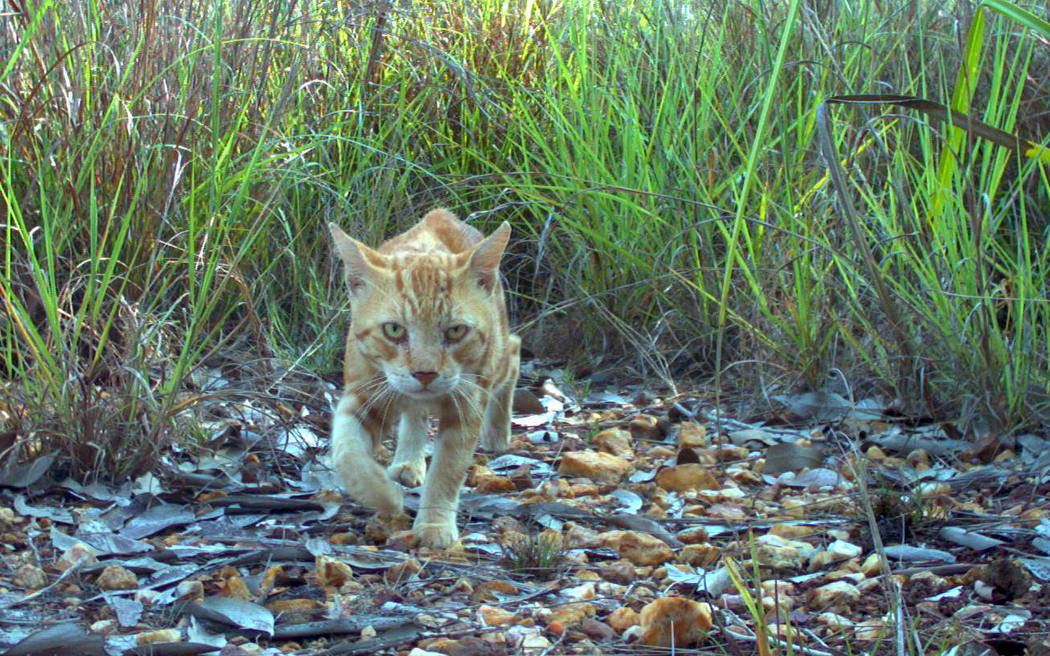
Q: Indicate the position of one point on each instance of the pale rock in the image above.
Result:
(534, 643)
(792, 531)
(332, 571)
(691, 435)
(745, 476)
(870, 630)
(699, 555)
(837, 594)
(731, 453)
(695, 535)
(78, 552)
(616, 441)
(495, 616)
(875, 453)
(402, 571)
(729, 493)
(369, 632)
(29, 577)
(834, 621)
(115, 577)
(872, 565)
(494, 485)
(619, 571)
(644, 427)
(7, 517)
(190, 590)
(622, 618)
(416, 651)
(104, 627)
(674, 621)
(154, 637)
(580, 592)
(599, 467)
(930, 581)
(776, 588)
(570, 614)
(919, 459)
(691, 476)
(779, 553)
(728, 511)
(639, 548)
(929, 489)
(576, 536)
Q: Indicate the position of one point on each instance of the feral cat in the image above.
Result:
(428, 336)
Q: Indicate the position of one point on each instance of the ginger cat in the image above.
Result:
(428, 336)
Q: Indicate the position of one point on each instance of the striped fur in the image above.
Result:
(428, 337)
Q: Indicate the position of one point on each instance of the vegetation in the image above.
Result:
(166, 170)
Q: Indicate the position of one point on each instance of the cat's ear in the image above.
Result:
(355, 256)
(485, 257)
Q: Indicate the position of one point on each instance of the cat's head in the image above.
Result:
(425, 319)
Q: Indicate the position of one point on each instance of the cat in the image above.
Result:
(428, 336)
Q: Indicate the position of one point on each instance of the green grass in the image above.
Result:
(166, 172)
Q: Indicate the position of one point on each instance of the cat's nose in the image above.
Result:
(425, 377)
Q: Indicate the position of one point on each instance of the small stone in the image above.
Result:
(778, 553)
(623, 618)
(403, 571)
(639, 548)
(792, 531)
(837, 595)
(872, 565)
(190, 590)
(699, 555)
(487, 590)
(104, 627)
(620, 571)
(597, 631)
(834, 621)
(674, 621)
(690, 476)
(919, 459)
(569, 615)
(332, 571)
(615, 441)
(115, 577)
(691, 435)
(154, 637)
(599, 467)
(369, 632)
(294, 611)
(78, 553)
(644, 427)
(870, 630)
(29, 577)
(416, 651)
(402, 541)
(495, 616)
(875, 453)
(695, 535)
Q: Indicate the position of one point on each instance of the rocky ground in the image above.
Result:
(625, 521)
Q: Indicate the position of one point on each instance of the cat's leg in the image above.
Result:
(362, 476)
(435, 525)
(495, 432)
(409, 466)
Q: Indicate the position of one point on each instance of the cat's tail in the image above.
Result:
(364, 478)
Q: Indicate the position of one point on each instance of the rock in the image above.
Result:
(615, 441)
(416, 651)
(295, 611)
(792, 531)
(834, 621)
(837, 595)
(870, 630)
(78, 552)
(639, 548)
(597, 631)
(599, 467)
(691, 476)
(115, 577)
(403, 571)
(691, 436)
(644, 427)
(674, 621)
(872, 565)
(568, 615)
(620, 571)
(919, 459)
(190, 590)
(155, 637)
(778, 553)
(495, 616)
(29, 577)
(487, 590)
(468, 646)
(699, 555)
(331, 571)
(695, 535)
(623, 618)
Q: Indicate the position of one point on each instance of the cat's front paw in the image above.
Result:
(436, 535)
(409, 474)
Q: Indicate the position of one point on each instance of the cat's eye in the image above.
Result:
(456, 333)
(395, 332)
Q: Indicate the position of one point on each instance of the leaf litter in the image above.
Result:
(619, 521)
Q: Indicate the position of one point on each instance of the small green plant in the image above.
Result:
(533, 553)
